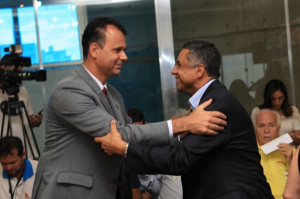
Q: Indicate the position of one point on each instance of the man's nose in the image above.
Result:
(174, 70)
(8, 167)
(266, 129)
(124, 56)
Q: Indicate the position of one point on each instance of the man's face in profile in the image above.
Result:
(111, 57)
(185, 75)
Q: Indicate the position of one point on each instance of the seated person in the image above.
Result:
(17, 172)
(276, 98)
(276, 163)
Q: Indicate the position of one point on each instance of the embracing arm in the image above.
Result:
(113, 144)
(86, 113)
(177, 158)
(199, 121)
(77, 106)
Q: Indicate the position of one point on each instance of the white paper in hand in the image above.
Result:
(272, 146)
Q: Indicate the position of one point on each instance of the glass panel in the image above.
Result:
(294, 6)
(250, 36)
(6, 29)
(28, 33)
(58, 25)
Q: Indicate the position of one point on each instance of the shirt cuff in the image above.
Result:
(170, 126)
(126, 149)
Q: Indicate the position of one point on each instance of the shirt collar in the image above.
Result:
(195, 99)
(97, 80)
(28, 172)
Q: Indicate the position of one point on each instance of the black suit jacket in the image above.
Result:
(225, 166)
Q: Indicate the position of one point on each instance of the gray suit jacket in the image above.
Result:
(72, 166)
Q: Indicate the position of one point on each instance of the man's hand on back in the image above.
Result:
(200, 121)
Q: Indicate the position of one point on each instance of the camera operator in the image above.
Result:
(22, 95)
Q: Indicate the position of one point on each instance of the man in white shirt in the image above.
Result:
(17, 172)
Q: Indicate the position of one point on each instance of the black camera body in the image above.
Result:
(11, 79)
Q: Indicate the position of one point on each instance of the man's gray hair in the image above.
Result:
(266, 110)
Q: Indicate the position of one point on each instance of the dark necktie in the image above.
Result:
(104, 90)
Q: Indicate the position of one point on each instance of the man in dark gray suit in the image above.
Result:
(225, 166)
(72, 165)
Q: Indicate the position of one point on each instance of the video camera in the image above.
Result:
(11, 75)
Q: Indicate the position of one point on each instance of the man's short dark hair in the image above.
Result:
(136, 115)
(7, 144)
(206, 53)
(95, 32)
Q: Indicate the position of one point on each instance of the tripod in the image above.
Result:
(13, 107)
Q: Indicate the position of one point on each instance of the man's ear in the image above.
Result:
(93, 49)
(200, 70)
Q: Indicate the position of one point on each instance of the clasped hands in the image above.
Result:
(198, 122)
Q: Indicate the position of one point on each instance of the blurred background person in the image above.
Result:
(150, 185)
(240, 89)
(275, 164)
(292, 188)
(17, 172)
(15, 92)
(276, 98)
(274, 70)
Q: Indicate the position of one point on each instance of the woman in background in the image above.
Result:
(276, 98)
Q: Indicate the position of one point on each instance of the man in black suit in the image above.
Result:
(225, 166)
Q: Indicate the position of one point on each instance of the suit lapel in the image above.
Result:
(106, 103)
(114, 103)
(94, 86)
